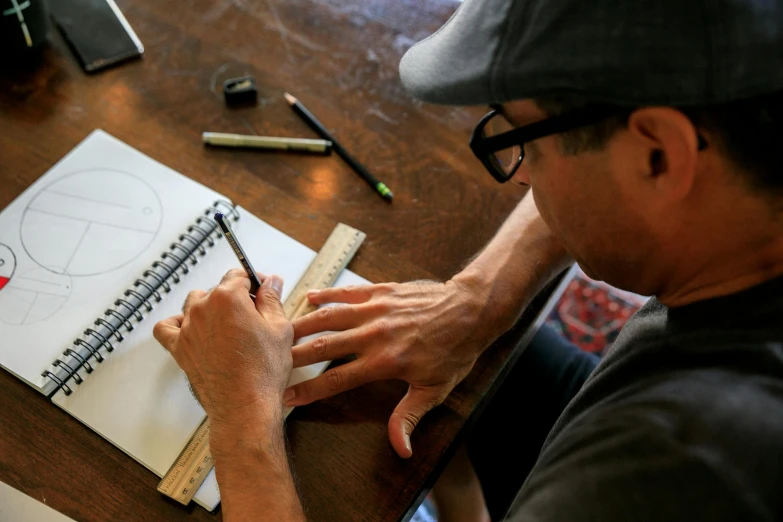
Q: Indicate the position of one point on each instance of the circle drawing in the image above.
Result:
(7, 265)
(33, 296)
(91, 222)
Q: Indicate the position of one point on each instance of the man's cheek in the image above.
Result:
(541, 204)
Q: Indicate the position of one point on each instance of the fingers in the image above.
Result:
(345, 294)
(236, 276)
(166, 332)
(331, 382)
(330, 347)
(268, 297)
(235, 279)
(330, 319)
(416, 403)
(193, 297)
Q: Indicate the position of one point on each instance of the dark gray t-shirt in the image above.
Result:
(682, 420)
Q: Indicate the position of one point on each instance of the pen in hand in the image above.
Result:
(255, 282)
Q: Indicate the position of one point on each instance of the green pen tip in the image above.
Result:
(384, 191)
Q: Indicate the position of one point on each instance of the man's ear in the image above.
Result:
(670, 142)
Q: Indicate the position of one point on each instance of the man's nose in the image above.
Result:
(522, 175)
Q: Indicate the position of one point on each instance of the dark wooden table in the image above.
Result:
(340, 58)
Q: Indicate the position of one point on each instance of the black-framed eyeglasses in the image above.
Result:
(500, 147)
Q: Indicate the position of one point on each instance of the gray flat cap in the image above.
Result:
(635, 52)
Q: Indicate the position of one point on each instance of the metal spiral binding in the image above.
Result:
(100, 321)
(60, 383)
(95, 353)
(123, 320)
(153, 291)
(68, 370)
(161, 280)
(170, 272)
(145, 301)
(87, 366)
(206, 237)
(162, 274)
(188, 253)
(133, 310)
(201, 250)
(104, 341)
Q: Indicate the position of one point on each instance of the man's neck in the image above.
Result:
(725, 271)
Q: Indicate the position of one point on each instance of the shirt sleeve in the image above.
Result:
(627, 464)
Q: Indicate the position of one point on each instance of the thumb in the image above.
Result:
(268, 297)
(417, 402)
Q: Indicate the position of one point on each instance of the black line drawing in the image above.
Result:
(7, 265)
(91, 222)
(38, 280)
(32, 296)
(74, 196)
(94, 221)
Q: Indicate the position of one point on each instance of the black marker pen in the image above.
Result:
(255, 282)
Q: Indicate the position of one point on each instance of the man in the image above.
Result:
(649, 132)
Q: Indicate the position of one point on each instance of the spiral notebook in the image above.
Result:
(92, 255)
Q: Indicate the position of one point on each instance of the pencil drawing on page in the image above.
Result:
(30, 296)
(84, 224)
(108, 211)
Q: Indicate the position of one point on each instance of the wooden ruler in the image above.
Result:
(195, 462)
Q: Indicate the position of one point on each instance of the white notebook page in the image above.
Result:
(77, 238)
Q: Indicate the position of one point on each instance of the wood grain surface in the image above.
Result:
(340, 59)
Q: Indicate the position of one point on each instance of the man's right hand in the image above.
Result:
(425, 333)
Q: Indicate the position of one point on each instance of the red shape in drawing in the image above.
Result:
(7, 265)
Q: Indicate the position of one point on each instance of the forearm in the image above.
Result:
(522, 257)
(252, 470)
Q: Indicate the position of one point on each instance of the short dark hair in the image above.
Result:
(749, 132)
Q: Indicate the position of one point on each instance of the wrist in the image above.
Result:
(247, 429)
(252, 469)
(242, 404)
(498, 302)
(255, 451)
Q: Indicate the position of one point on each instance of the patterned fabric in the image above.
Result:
(590, 313)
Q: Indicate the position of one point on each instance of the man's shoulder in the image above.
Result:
(724, 398)
(682, 420)
(703, 372)
(694, 446)
(715, 405)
